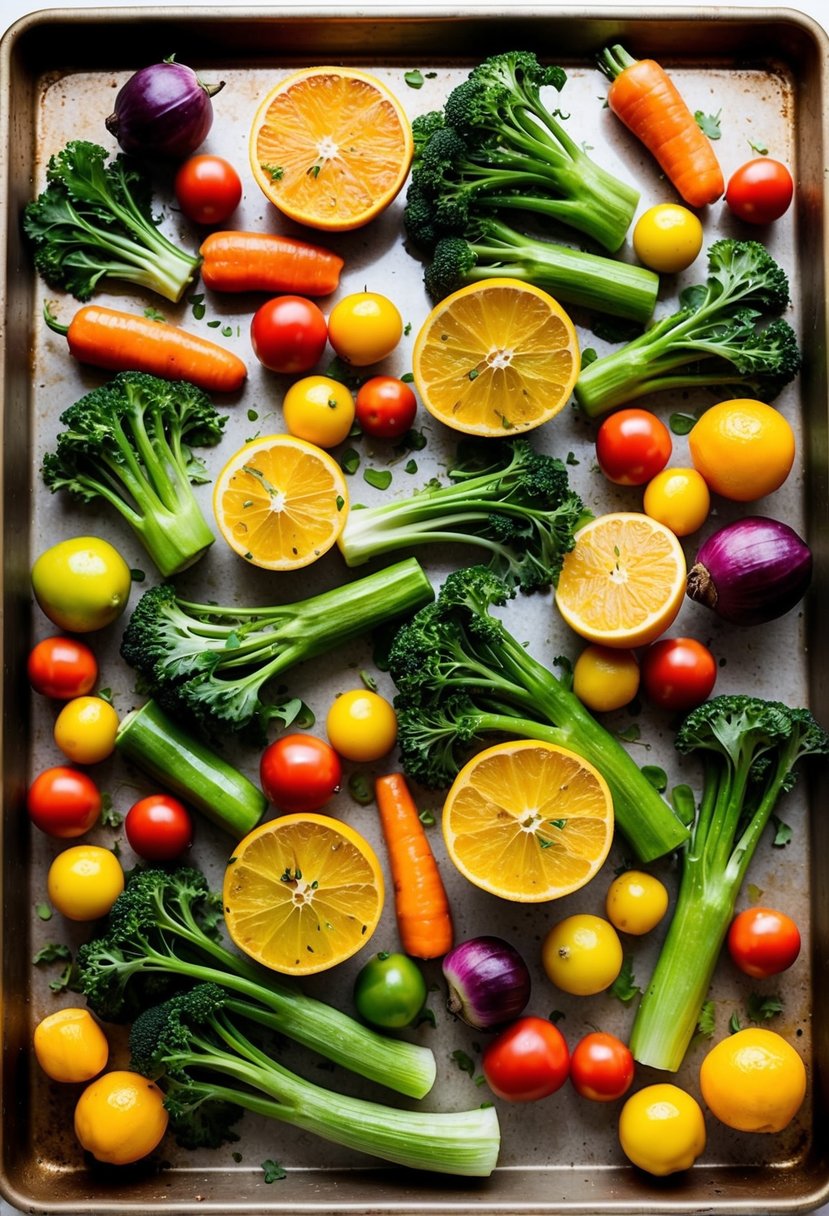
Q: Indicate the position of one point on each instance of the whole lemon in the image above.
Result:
(81, 584)
(753, 1081)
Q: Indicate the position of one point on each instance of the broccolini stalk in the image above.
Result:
(750, 750)
(209, 663)
(194, 1045)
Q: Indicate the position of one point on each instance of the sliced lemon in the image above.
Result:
(623, 582)
(302, 893)
(528, 821)
(280, 502)
(330, 147)
(496, 357)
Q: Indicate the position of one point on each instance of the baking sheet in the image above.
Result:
(560, 1154)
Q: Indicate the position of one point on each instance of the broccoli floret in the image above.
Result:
(209, 664)
(492, 249)
(750, 750)
(507, 499)
(499, 147)
(94, 222)
(461, 676)
(129, 443)
(196, 1046)
(715, 338)
(162, 934)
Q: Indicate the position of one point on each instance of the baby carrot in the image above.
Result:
(423, 917)
(646, 100)
(124, 341)
(261, 261)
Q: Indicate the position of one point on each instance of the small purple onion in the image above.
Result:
(489, 982)
(163, 110)
(751, 571)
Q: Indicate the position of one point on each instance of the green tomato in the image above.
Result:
(390, 991)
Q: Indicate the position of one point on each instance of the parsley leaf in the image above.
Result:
(709, 124)
(273, 1171)
(624, 987)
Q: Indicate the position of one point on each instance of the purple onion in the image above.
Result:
(163, 110)
(489, 982)
(751, 571)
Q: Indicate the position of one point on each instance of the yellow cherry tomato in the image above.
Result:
(121, 1117)
(364, 327)
(84, 882)
(70, 1045)
(753, 1081)
(582, 954)
(679, 499)
(319, 409)
(636, 902)
(743, 448)
(81, 584)
(605, 678)
(667, 238)
(361, 725)
(85, 729)
(662, 1129)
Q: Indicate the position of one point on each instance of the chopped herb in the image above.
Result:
(43, 911)
(105, 694)
(759, 148)
(379, 478)
(313, 170)
(427, 817)
(110, 818)
(137, 575)
(753, 893)
(52, 952)
(624, 987)
(227, 331)
(473, 373)
(237, 1157)
(275, 172)
(407, 329)
(589, 355)
(350, 461)
(152, 314)
(572, 459)
(410, 466)
(414, 79)
(464, 1062)
(706, 1019)
(683, 802)
(407, 378)
(556, 1015)
(253, 415)
(273, 1171)
(734, 1023)
(360, 789)
(762, 1008)
(64, 980)
(213, 324)
(782, 833)
(657, 776)
(709, 124)
(198, 306)
(340, 502)
(369, 680)
(682, 424)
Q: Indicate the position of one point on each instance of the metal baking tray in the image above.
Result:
(765, 71)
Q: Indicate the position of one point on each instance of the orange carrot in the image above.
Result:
(260, 261)
(646, 100)
(124, 341)
(423, 917)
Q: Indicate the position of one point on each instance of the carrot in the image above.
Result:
(423, 917)
(260, 261)
(646, 100)
(124, 341)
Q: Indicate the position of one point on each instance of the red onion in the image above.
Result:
(163, 110)
(751, 571)
(489, 982)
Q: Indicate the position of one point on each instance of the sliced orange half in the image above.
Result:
(528, 821)
(623, 582)
(280, 502)
(302, 893)
(330, 147)
(496, 357)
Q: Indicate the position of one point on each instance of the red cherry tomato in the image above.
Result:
(63, 802)
(763, 942)
(386, 407)
(208, 189)
(601, 1067)
(678, 673)
(288, 334)
(300, 773)
(632, 446)
(159, 827)
(527, 1061)
(760, 191)
(62, 668)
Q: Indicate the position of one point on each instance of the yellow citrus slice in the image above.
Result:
(330, 147)
(496, 357)
(528, 821)
(280, 502)
(623, 582)
(302, 893)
